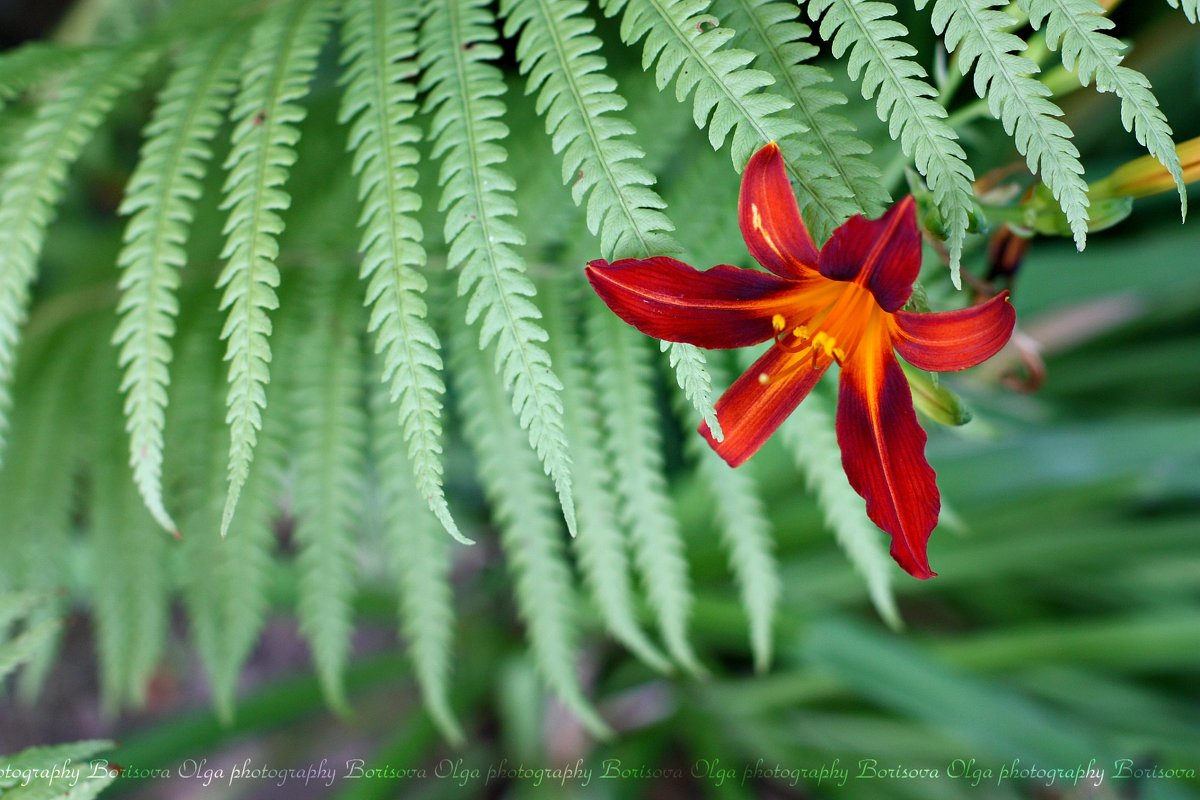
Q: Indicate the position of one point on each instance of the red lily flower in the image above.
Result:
(842, 303)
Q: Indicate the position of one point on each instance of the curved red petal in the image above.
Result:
(883, 453)
(722, 307)
(954, 340)
(883, 254)
(770, 219)
(760, 400)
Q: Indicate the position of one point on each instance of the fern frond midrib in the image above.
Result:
(696, 57)
(828, 150)
(478, 192)
(589, 126)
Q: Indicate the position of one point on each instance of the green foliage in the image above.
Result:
(463, 88)
(48, 780)
(33, 183)
(530, 536)
(881, 59)
(623, 384)
(1077, 26)
(276, 70)
(977, 31)
(160, 198)
(420, 559)
(379, 48)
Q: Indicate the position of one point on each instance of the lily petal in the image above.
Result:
(770, 219)
(723, 307)
(883, 254)
(954, 340)
(760, 400)
(883, 453)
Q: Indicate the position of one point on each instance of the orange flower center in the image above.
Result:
(834, 319)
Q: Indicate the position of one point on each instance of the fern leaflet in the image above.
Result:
(530, 536)
(421, 561)
(978, 32)
(330, 436)
(281, 58)
(809, 434)
(600, 546)
(32, 183)
(32, 63)
(1078, 26)
(463, 90)
(867, 31)
(379, 44)
(772, 30)
(623, 383)
(1191, 8)
(161, 197)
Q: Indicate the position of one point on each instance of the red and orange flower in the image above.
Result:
(840, 304)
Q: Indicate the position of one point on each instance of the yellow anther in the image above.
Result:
(764, 378)
(800, 332)
(778, 322)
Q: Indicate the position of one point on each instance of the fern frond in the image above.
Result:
(1191, 8)
(977, 31)
(1078, 27)
(530, 534)
(809, 434)
(32, 183)
(456, 44)
(773, 31)
(161, 197)
(379, 51)
(330, 437)
(558, 53)
(29, 65)
(36, 491)
(421, 561)
(742, 522)
(601, 550)
(624, 380)
(224, 581)
(276, 70)
(42, 763)
(682, 38)
(872, 38)
(124, 541)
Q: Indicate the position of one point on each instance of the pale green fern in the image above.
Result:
(32, 184)
(601, 547)
(530, 534)
(463, 98)
(379, 50)
(623, 383)
(276, 70)
(978, 33)
(1077, 26)
(161, 197)
(330, 432)
(421, 559)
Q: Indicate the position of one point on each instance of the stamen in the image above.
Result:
(763, 378)
(778, 322)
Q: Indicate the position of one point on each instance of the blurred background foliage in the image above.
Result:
(1064, 626)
